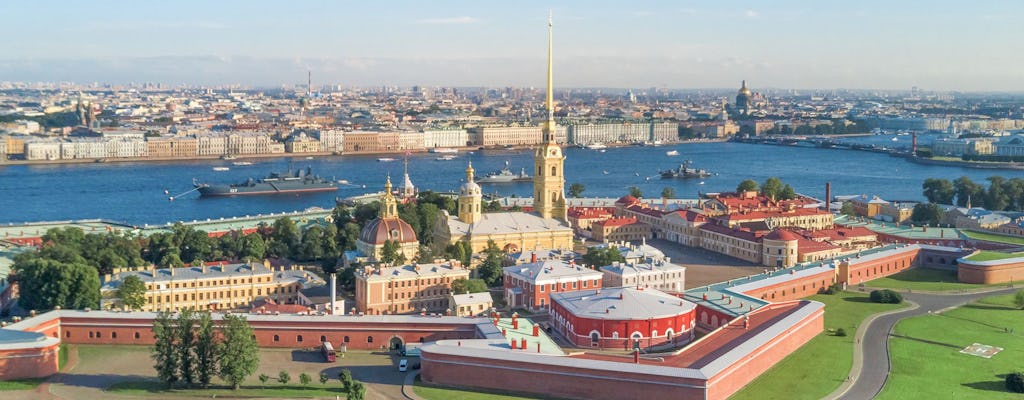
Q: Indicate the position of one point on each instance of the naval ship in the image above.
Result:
(300, 181)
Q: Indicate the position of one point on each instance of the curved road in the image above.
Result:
(874, 346)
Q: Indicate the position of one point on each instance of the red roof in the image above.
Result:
(761, 215)
(783, 235)
(691, 215)
(627, 199)
(617, 222)
(590, 212)
(809, 246)
(736, 233)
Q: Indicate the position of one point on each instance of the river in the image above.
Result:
(134, 192)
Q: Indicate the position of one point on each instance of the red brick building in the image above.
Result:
(622, 317)
(531, 285)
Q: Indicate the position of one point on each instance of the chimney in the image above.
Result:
(171, 270)
(334, 292)
(533, 257)
(828, 195)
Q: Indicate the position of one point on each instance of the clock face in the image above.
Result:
(554, 152)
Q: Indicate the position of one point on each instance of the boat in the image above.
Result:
(299, 181)
(227, 157)
(895, 139)
(385, 159)
(505, 175)
(241, 163)
(448, 157)
(596, 146)
(684, 172)
(671, 153)
(309, 158)
(444, 150)
(221, 169)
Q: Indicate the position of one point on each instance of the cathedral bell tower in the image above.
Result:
(549, 176)
(389, 205)
(470, 197)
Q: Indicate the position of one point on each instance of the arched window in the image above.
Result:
(369, 339)
(554, 170)
(277, 338)
(346, 339)
(595, 338)
(137, 335)
(67, 333)
(113, 335)
(323, 338)
(98, 335)
(669, 333)
(298, 338)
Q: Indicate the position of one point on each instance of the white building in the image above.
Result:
(42, 150)
(211, 144)
(126, 148)
(331, 141)
(445, 138)
(83, 148)
(658, 274)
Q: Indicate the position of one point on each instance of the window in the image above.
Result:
(369, 339)
(113, 335)
(346, 339)
(323, 338)
(277, 338)
(298, 338)
(137, 335)
(67, 333)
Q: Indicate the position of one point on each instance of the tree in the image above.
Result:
(324, 378)
(635, 192)
(284, 238)
(1018, 299)
(239, 354)
(840, 332)
(772, 188)
(47, 283)
(847, 209)
(1015, 382)
(490, 270)
(996, 199)
(132, 292)
(253, 247)
(305, 379)
(390, 253)
(205, 349)
(356, 391)
(264, 378)
(171, 260)
(967, 189)
(462, 285)
(429, 214)
(345, 377)
(939, 191)
(284, 377)
(576, 189)
(787, 193)
(164, 353)
(603, 255)
(748, 185)
(668, 193)
(186, 341)
(927, 214)
(885, 296)
(312, 245)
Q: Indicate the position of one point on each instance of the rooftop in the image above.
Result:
(506, 222)
(551, 270)
(622, 303)
(412, 271)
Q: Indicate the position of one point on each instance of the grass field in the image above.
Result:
(986, 255)
(154, 388)
(19, 384)
(992, 237)
(923, 279)
(927, 364)
(431, 392)
(820, 366)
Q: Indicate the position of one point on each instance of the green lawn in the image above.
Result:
(993, 237)
(923, 279)
(986, 255)
(432, 392)
(926, 362)
(19, 384)
(819, 367)
(62, 357)
(295, 390)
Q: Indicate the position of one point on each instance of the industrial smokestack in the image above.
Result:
(334, 292)
(828, 195)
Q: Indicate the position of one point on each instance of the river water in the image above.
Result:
(134, 192)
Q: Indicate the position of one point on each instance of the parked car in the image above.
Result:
(403, 365)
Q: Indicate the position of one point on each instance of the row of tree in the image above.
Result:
(772, 188)
(188, 350)
(1002, 194)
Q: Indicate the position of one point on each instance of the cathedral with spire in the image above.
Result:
(545, 228)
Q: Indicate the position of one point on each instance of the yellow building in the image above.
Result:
(220, 287)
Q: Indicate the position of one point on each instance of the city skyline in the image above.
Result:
(791, 44)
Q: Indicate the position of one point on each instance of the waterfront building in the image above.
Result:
(301, 144)
(1012, 146)
(210, 144)
(405, 289)
(623, 318)
(127, 148)
(172, 147)
(531, 285)
(14, 145)
(253, 143)
(488, 136)
(410, 141)
(650, 272)
(959, 147)
(3, 150)
(371, 142)
(331, 140)
(42, 150)
(388, 227)
(213, 287)
(445, 138)
(625, 132)
(83, 148)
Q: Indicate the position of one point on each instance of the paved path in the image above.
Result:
(870, 376)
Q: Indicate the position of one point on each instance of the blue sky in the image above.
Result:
(940, 45)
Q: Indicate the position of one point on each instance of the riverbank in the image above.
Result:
(492, 149)
(967, 164)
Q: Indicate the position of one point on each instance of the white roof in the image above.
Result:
(623, 303)
(472, 298)
(551, 271)
(633, 269)
(506, 222)
(412, 271)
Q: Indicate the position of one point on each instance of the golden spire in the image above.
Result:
(387, 186)
(549, 125)
(469, 172)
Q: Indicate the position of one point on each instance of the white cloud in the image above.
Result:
(643, 13)
(448, 21)
(751, 14)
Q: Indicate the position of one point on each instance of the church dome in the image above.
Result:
(782, 235)
(744, 91)
(380, 230)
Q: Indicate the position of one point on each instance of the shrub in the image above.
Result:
(886, 296)
(832, 289)
(305, 379)
(283, 377)
(1015, 382)
(840, 332)
(264, 378)
(324, 378)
